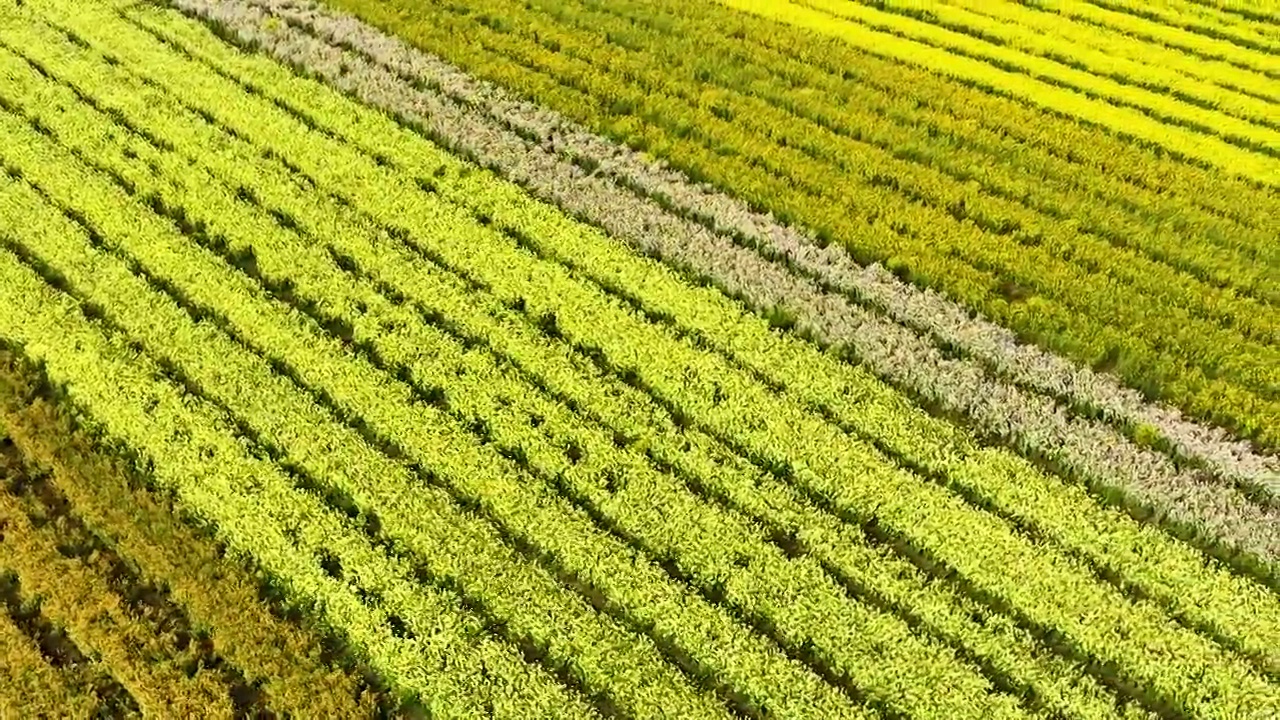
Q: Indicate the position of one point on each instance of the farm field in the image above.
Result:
(640, 359)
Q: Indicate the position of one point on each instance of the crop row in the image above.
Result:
(409, 211)
(910, 95)
(1135, 359)
(481, 393)
(810, 149)
(278, 658)
(950, 111)
(1088, 448)
(1238, 28)
(1022, 129)
(840, 21)
(821, 160)
(973, 37)
(1135, 19)
(699, 231)
(34, 678)
(140, 653)
(1153, 56)
(30, 681)
(855, 104)
(405, 516)
(927, 169)
(407, 342)
(419, 617)
(645, 287)
(490, 218)
(1094, 64)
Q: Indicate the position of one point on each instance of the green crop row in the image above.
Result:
(396, 207)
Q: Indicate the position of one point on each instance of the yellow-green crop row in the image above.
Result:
(536, 222)
(828, 432)
(1238, 27)
(1051, 46)
(75, 592)
(1203, 46)
(29, 681)
(266, 652)
(419, 519)
(257, 511)
(260, 256)
(396, 208)
(250, 168)
(407, 667)
(965, 42)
